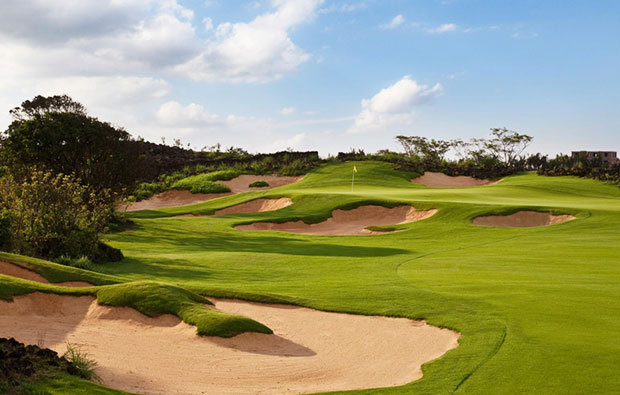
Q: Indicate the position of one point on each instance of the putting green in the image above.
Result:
(538, 308)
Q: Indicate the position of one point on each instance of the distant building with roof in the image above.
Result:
(610, 157)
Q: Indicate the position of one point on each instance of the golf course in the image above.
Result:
(534, 309)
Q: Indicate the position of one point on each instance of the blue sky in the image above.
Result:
(324, 75)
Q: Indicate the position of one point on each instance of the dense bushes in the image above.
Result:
(580, 166)
(201, 183)
(52, 215)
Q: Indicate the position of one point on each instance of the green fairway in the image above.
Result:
(538, 308)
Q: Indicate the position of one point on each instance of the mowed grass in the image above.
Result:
(538, 308)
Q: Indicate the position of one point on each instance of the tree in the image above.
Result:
(41, 105)
(507, 145)
(432, 150)
(56, 133)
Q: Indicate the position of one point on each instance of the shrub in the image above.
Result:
(205, 183)
(81, 262)
(82, 362)
(259, 184)
(54, 215)
(5, 228)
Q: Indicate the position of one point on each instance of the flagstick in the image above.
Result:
(352, 180)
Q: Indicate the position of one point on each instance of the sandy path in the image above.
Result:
(256, 206)
(440, 180)
(310, 351)
(10, 269)
(349, 222)
(239, 184)
(522, 219)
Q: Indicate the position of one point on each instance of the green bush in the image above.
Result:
(51, 215)
(205, 183)
(259, 184)
(5, 228)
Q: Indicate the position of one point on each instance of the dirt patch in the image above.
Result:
(239, 184)
(349, 222)
(12, 270)
(172, 198)
(310, 350)
(440, 180)
(522, 219)
(256, 206)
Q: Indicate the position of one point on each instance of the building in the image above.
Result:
(610, 157)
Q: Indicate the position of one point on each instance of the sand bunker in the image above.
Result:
(349, 222)
(12, 270)
(239, 184)
(172, 198)
(440, 180)
(522, 219)
(310, 351)
(256, 206)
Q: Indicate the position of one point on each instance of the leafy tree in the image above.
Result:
(41, 105)
(430, 149)
(507, 145)
(56, 133)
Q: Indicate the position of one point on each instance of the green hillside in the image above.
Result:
(538, 308)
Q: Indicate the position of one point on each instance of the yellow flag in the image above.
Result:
(354, 169)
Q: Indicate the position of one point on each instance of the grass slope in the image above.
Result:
(539, 308)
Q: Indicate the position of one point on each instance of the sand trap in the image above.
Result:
(440, 180)
(256, 206)
(349, 222)
(239, 184)
(12, 270)
(311, 351)
(172, 198)
(522, 219)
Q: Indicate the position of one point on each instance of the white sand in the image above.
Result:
(310, 350)
(522, 219)
(256, 206)
(349, 222)
(440, 180)
(10, 269)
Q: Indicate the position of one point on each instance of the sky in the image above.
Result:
(326, 75)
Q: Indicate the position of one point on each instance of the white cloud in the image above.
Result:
(395, 22)
(287, 111)
(291, 142)
(112, 37)
(444, 28)
(258, 51)
(393, 106)
(173, 113)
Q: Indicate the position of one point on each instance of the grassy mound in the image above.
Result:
(206, 183)
(152, 299)
(57, 273)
